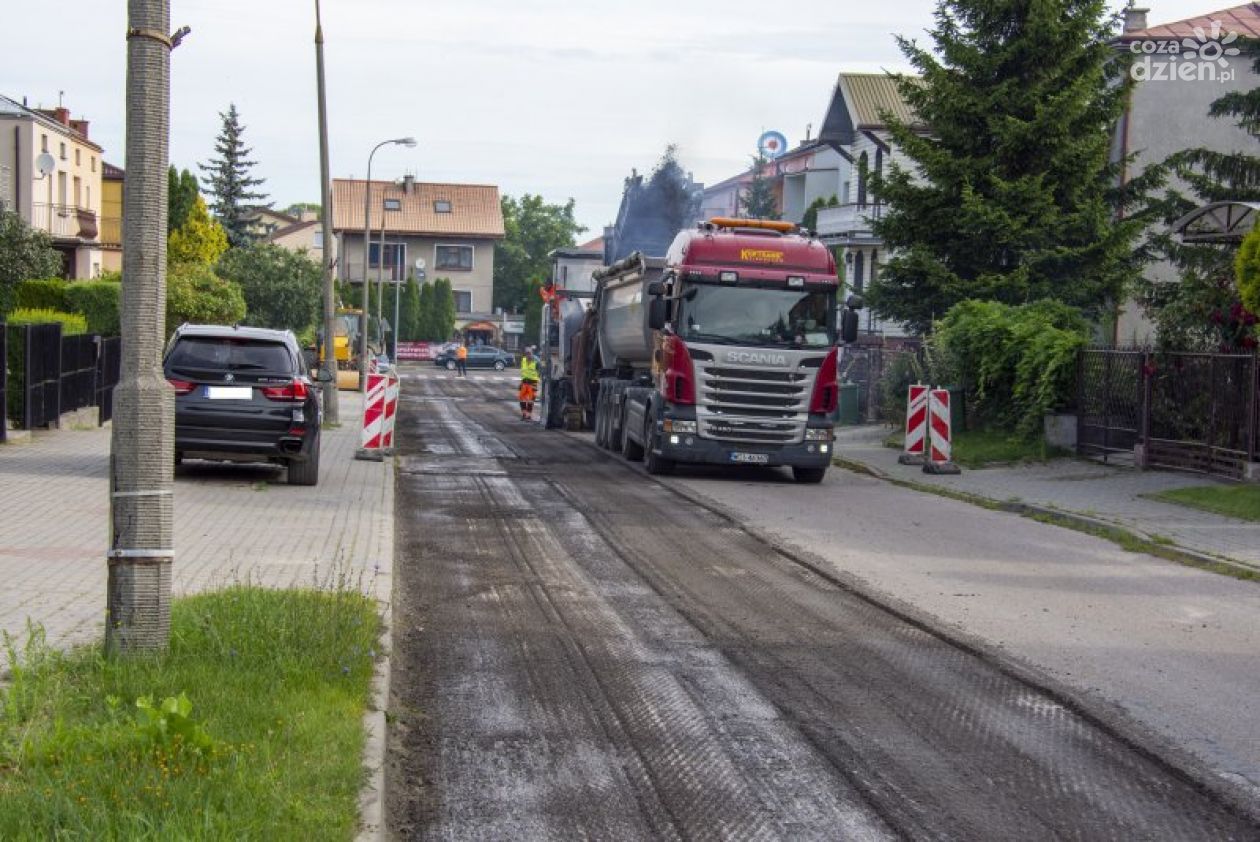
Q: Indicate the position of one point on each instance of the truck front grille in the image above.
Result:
(752, 405)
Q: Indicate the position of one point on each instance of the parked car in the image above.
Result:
(244, 394)
(479, 356)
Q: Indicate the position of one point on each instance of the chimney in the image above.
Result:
(1134, 18)
(409, 184)
(62, 115)
(80, 126)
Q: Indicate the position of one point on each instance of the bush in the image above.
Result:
(99, 302)
(41, 294)
(72, 324)
(1016, 363)
(25, 253)
(195, 294)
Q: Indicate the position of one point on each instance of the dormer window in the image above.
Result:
(442, 206)
(393, 204)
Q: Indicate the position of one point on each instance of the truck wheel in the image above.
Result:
(656, 465)
(809, 475)
(601, 421)
(631, 450)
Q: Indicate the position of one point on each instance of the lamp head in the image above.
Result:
(406, 141)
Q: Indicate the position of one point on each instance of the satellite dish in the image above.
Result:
(45, 163)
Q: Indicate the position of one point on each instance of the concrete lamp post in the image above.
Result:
(367, 234)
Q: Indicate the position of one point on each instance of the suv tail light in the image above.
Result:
(826, 388)
(181, 387)
(293, 391)
(680, 373)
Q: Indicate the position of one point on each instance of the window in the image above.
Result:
(879, 171)
(78, 157)
(78, 192)
(395, 259)
(442, 206)
(863, 170)
(459, 258)
(318, 242)
(43, 143)
(463, 301)
(859, 271)
(393, 204)
(93, 160)
(63, 152)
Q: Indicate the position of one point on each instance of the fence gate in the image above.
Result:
(1109, 403)
(42, 384)
(1202, 412)
(108, 373)
(4, 379)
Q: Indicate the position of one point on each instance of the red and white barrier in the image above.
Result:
(373, 413)
(392, 388)
(916, 425)
(940, 460)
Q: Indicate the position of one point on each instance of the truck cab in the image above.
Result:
(738, 326)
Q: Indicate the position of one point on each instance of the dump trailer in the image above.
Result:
(723, 352)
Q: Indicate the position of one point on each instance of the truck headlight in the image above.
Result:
(672, 426)
(818, 434)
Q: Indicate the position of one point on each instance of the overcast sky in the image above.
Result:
(555, 97)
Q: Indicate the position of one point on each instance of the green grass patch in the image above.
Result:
(248, 727)
(1240, 501)
(981, 448)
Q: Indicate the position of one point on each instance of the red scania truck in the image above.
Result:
(724, 352)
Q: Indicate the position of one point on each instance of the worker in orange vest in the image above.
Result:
(461, 359)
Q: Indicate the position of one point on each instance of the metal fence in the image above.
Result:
(108, 372)
(44, 374)
(1187, 411)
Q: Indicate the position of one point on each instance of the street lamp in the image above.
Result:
(367, 233)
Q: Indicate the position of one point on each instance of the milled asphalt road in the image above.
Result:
(582, 652)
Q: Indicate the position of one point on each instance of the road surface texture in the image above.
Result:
(581, 652)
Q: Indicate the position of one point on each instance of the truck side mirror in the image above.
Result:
(656, 289)
(656, 313)
(848, 325)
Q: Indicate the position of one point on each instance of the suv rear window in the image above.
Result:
(212, 353)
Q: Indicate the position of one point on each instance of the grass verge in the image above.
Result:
(248, 727)
(980, 448)
(1240, 501)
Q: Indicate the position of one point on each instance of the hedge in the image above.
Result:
(99, 302)
(41, 294)
(72, 324)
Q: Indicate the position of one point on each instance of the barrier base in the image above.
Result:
(363, 454)
(941, 468)
(910, 459)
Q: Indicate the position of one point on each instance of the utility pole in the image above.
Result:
(332, 412)
(142, 446)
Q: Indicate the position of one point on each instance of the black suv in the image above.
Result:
(243, 394)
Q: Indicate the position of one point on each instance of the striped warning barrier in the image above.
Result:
(916, 425)
(373, 419)
(940, 459)
(392, 388)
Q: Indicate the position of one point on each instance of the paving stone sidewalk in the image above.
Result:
(1106, 493)
(232, 523)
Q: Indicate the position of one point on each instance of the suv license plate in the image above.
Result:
(229, 393)
(751, 458)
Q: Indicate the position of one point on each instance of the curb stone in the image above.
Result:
(372, 793)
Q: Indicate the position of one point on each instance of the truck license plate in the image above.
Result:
(751, 458)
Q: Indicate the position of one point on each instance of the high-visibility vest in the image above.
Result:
(461, 353)
(529, 369)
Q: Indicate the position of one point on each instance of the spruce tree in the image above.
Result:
(228, 181)
(757, 201)
(1013, 194)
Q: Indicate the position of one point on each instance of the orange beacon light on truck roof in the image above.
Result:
(768, 224)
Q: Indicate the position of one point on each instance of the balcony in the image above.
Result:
(64, 222)
(849, 222)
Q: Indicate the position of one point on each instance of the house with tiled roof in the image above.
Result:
(429, 231)
(50, 175)
(1180, 68)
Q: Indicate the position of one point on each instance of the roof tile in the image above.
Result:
(475, 209)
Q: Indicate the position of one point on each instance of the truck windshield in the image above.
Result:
(757, 316)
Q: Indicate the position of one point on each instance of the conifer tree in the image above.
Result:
(409, 330)
(443, 309)
(757, 201)
(1008, 193)
(425, 325)
(228, 181)
(181, 196)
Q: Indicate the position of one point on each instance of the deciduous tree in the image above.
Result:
(533, 229)
(281, 287)
(25, 254)
(199, 240)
